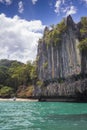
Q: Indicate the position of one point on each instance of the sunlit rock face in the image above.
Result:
(64, 58)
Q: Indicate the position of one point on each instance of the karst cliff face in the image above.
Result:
(63, 58)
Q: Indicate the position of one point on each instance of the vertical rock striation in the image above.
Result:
(62, 59)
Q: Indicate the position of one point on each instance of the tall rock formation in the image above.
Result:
(62, 61)
(58, 53)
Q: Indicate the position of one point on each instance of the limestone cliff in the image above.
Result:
(63, 58)
(62, 54)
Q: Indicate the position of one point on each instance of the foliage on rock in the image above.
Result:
(54, 35)
(83, 44)
(83, 33)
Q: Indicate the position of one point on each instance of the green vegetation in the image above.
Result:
(61, 27)
(45, 65)
(39, 83)
(83, 29)
(83, 44)
(53, 36)
(14, 74)
(83, 33)
(5, 91)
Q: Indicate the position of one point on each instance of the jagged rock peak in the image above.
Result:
(69, 21)
(46, 29)
(69, 18)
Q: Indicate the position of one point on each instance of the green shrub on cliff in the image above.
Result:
(84, 21)
(45, 65)
(39, 83)
(83, 34)
(61, 27)
(53, 36)
(83, 44)
(83, 29)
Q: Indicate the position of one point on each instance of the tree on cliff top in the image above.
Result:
(83, 33)
(54, 35)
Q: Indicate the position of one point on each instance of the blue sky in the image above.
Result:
(22, 23)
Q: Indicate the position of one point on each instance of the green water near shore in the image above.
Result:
(43, 116)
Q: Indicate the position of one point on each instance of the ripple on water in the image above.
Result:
(42, 116)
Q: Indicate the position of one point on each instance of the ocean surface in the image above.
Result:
(42, 116)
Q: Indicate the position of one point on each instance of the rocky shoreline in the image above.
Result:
(72, 89)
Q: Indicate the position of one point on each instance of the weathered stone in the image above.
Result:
(62, 61)
(64, 89)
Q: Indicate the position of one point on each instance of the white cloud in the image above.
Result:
(57, 6)
(62, 6)
(85, 1)
(8, 2)
(70, 10)
(1, 1)
(34, 1)
(20, 7)
(18, 38)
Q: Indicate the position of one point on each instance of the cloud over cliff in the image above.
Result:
(61, 6)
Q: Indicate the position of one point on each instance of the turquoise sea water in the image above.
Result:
(43, 116)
